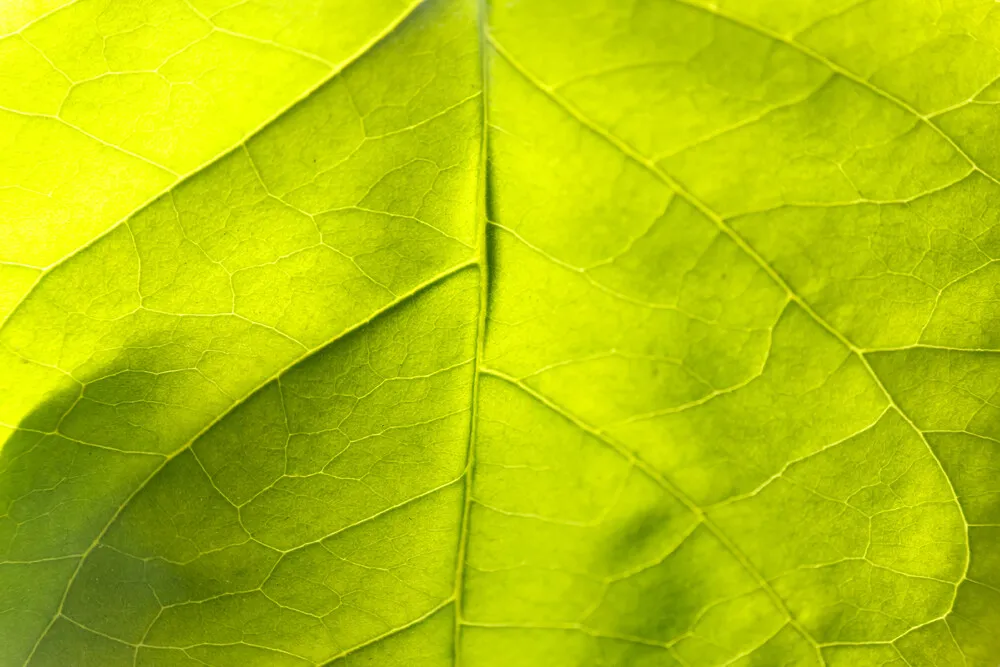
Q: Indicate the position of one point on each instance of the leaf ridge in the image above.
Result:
(477, 369)
(482, 264)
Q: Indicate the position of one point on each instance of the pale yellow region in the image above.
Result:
(94, 37)
(15, 281)
(159, 80)
(59, 188)
(15, 14)
(105, 104)
(198, 105)
(28, 82)
(327, 28)
(34, 384)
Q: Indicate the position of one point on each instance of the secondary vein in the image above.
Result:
(183, 178)
(187, 445)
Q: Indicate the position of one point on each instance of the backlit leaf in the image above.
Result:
(524, 332)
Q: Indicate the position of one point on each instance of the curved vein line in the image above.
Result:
(844, 72)
(267, 42)
(93, 137)
(569, 627)
(309, 92)
(183, 448)
(38, 19)
(420, 619)
(650, 471)
(373, 517)
(585, 274)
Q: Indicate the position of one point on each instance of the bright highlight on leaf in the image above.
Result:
(526, 332)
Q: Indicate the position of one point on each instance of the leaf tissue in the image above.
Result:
(518, 332)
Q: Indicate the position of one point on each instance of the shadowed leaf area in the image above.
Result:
(541, 333)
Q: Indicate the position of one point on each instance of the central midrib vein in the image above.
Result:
(482, 222)
(481, 261)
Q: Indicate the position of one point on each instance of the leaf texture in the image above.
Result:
(660, 332)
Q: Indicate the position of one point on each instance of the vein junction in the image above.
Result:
(475, 366)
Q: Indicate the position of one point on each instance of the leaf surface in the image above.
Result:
(536, 333)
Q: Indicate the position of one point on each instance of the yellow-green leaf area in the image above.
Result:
(487, 333)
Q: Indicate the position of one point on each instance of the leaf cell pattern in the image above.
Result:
(659, 332)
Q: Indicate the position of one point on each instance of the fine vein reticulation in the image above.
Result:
(470, 333)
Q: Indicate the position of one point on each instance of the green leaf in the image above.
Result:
(530, 332)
